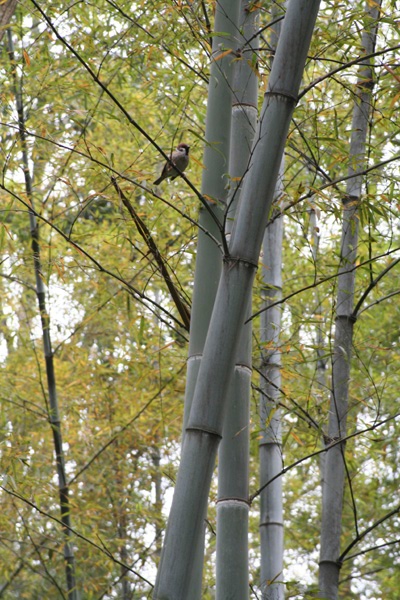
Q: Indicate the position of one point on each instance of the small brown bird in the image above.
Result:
(179, 158)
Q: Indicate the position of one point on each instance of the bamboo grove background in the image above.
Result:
(91, 95)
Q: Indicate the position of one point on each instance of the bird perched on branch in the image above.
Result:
(179, 159)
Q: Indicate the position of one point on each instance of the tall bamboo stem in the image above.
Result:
(334, 468)
(53, 410)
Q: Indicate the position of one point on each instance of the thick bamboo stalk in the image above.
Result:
(334, 470)
(232, 568)
(214, 187)
(206, 419)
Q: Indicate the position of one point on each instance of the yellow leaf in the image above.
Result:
(254, 7)
(394, 101)
(26, 58)
(65, 180)
(164, 347)
(270, 416)
(7, 230)
(296, 437)
(389, 70)
(223, 54)
(200, 164)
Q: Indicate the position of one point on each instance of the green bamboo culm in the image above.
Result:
(232, 560)
(334, 467)
(214, 190)
(270, 444)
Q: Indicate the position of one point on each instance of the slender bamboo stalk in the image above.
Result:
(156, 458)
(270, 446)
(319, 338)
(121, 519)
(321, 379)
(53, 412)
(206, 419)
(334, 470)
(232, 569)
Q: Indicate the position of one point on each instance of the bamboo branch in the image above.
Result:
(143, 230)
(332, 444)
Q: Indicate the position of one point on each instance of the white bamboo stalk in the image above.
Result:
(215, 187)
(232, 568)
(321, 379)
(205, 423)
(270, 446)
(334, 471)
(319, 338)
